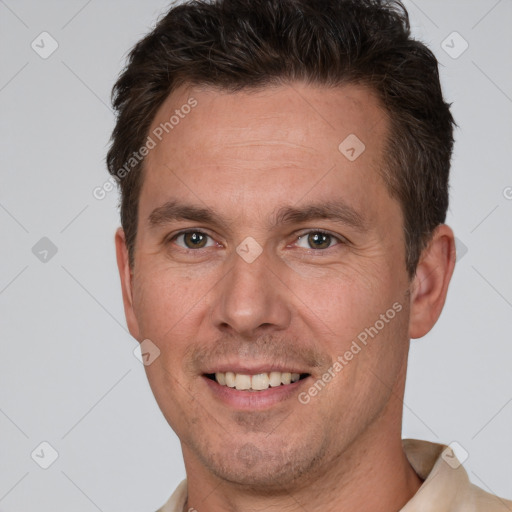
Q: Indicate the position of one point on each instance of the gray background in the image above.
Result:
(68, 375)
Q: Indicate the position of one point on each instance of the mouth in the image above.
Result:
(257, 382)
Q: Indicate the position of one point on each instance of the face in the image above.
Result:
(267, 254)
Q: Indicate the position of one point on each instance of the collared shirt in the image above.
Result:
(446, 486)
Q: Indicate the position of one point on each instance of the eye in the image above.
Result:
(193, 240)
(317, 240)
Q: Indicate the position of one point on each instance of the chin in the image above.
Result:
(254, 467)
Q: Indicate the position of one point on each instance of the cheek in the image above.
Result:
(342, 301)
(166, 299)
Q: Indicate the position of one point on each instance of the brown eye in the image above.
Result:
(193, 240)
(319, 240)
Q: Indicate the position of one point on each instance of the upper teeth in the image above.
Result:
(257, 382)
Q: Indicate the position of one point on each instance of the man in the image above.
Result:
(284, 174)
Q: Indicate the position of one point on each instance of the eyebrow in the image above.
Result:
(336, 211)
(174, 210)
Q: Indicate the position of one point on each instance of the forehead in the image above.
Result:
(294, 139)
(293, 113)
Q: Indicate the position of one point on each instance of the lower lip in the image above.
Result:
(254, 400)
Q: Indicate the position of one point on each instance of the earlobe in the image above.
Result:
(430, 284)
(126, 276)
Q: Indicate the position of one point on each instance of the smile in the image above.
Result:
(258, 382)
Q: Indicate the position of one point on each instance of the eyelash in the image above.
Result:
(185, 232)
(338, 238)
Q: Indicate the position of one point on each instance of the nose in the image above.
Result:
(251, 300)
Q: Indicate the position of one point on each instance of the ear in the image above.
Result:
(430, 284)
(126, 275)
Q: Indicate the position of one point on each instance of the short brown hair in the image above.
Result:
(237, 44)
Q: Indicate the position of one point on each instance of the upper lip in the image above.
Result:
(254, 369)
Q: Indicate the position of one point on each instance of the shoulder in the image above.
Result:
(178, 499)
(446, 485)
(482, 501)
